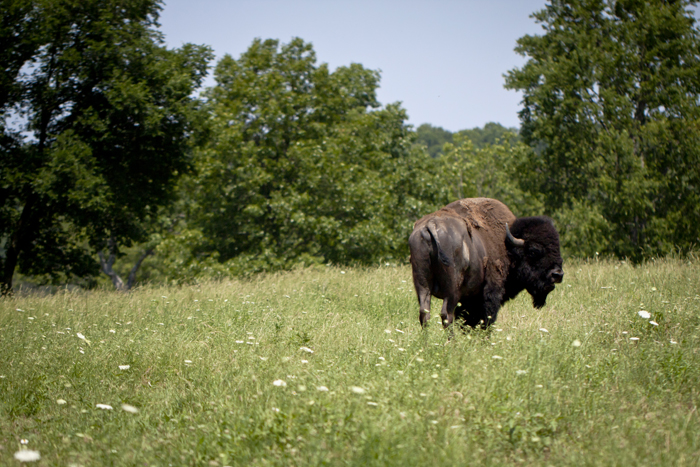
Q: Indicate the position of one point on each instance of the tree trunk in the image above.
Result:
(132, 275)
(18, 243)
(106, 266)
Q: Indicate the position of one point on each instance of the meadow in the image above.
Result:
(329, 366)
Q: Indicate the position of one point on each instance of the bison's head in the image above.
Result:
(536, 264)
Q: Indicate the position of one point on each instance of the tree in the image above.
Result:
(490, 134)
(107, 110)
(488, 171)
(433, 138)
(304, 166)
(610, 107)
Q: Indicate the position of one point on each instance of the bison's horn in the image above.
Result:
(512, 239)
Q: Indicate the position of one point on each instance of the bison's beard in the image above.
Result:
(539, 299)
(539, 294)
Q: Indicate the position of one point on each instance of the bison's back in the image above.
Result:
(486, 219)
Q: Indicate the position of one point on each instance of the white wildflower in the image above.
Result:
(129, 408)
(521, 372)
(279, 383)
(388, 331)
(322, 388)
(357, 390)
(112, 331)
(576, 343)
(124, 367)
(188, 361)
(60, 401)
(27, 455)
(80, 336)
(644, 314)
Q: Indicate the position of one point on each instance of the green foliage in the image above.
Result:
(602, 386)
(489, 171)
(108, 112)
(610, 94)
(490, 134)
(303, 167)
(433, 138)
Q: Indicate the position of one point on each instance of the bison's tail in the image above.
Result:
(444, 259)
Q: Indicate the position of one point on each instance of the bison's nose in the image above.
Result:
(557, 275)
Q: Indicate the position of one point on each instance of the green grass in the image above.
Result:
(202, 362)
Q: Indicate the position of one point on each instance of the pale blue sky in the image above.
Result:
(444, 60)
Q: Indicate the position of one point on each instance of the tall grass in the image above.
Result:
(331, 367)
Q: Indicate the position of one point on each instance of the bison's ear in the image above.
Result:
(511, 240)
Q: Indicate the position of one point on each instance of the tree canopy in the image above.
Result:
(434, 138)
(104, 111)
(610, 107)
(304, 166)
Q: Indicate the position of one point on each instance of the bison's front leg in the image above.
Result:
(493, 299)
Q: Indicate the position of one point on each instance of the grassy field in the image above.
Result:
(330, 367)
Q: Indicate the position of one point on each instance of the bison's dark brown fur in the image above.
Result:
(475, 255)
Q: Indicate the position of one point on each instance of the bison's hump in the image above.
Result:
(482, 213)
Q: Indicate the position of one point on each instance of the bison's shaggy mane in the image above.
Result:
(538, 229)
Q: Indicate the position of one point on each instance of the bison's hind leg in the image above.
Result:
(422, 286)
(447, 313)
(423, 279)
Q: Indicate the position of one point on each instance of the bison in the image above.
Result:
(476, 255)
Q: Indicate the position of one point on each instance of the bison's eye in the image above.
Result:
(535, 251)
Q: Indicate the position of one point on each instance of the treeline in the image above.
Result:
(434, 138)
(111, 168)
